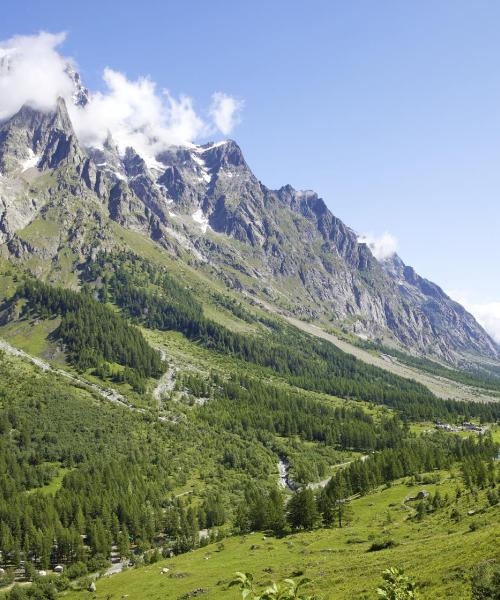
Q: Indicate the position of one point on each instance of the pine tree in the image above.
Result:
(302, 511)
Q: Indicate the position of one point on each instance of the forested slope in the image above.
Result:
(84, 479)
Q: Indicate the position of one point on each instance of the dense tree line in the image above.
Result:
(410, 457)
(245, 404)
(152, 297)
(121, 468)
(92, 333)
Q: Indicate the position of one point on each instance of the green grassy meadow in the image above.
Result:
(436, 551)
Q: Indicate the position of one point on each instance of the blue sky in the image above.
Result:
(389, 110)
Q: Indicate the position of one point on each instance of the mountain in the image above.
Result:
(195, 367)
(204, 204)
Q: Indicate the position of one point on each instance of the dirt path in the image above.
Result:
(165, 384)
(316, 485)
(107, 393)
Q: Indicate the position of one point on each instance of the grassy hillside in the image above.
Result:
(437, 551)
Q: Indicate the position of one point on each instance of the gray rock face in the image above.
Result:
(292, 240)
(205, 200)
(32, 138)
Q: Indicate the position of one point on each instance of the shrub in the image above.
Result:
(76, 570)
(397, 586)
(475, 525)
(455, 515)
(492, 497)
(285, 590)
(486, 581)
(382, 545)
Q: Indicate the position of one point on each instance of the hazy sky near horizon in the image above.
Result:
(389, 110)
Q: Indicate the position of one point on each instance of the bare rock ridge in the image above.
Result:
(285, 244)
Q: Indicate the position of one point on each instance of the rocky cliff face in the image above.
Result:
(284, 244)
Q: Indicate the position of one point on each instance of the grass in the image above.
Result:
(32, 336)
(9, 279)
(54, 485)
(225, 318)
(41, 232)
(437, 552)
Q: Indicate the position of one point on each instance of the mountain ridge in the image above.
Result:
(284, 245)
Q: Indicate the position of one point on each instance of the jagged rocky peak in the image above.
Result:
(133, 163)
(108, 159)
(61, 120)
(225, 153)
(62, 144)
(81, 95)
(33, 137)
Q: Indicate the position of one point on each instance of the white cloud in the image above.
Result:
(225, 112)
(137, 114)
(489, 317)
(32, 72)
(486, 313)
(382, 246)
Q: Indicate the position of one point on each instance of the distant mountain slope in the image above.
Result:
(58, 200)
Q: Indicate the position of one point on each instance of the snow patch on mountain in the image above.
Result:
(199, 161)
(31, 161)
(213, 145)
(205, 176)
(153, 164)
(201, 219)
(105, 166)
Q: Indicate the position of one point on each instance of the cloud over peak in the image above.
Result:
(33, 71)
(382, 246)
(225, 112)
